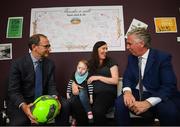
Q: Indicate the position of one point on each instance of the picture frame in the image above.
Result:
(6, 51)
(14, 27)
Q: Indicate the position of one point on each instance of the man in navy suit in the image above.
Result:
(158, 80)
(21, 83)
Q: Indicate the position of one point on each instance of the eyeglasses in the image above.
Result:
(45, 46)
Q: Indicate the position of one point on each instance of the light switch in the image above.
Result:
(178, 39)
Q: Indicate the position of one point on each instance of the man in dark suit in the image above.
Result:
(21, 83)
(157, 78)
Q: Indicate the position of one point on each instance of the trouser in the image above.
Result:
(83, 96)
(165, 111)
(102, 102)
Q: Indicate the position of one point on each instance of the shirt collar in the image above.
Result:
(33, 58)
(145, 55)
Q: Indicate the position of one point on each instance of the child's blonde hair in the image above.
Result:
(85, 62)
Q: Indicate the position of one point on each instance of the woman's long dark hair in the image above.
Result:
(94, 61)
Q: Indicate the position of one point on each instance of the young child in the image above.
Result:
(80, 77)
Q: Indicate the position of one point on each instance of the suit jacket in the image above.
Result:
(21, 83)
(159, 78)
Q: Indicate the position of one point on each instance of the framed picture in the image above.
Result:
(165, 25)
(5, 51)
(76, 29)
(136, 23)
(14, 27)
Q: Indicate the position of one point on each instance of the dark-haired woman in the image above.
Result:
(104, 77)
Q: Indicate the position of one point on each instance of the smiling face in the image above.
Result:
(102, 52)
(135, 45)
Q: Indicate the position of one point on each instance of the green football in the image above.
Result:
(45, 108)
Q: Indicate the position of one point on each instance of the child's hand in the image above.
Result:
(75, 89)
(68, 96)
(80, 87)
(91, 99)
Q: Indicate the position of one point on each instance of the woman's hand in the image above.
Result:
(113, 80)
(93, 78)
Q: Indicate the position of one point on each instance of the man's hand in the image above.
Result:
(27, 111)
(140, 107)
(57, 98)
(128, 99)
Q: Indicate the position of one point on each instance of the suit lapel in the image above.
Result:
(28, 68)
(150, 61)
(29, 64)
(135, 67)
(44, 70)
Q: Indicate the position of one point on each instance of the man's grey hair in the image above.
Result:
(142, 34)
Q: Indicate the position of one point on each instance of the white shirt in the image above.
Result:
(152, 100)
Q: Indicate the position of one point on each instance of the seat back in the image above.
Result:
(119, 87)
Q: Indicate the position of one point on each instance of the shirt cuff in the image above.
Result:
(21, 104)
(55, 96)
(154, 100)
(126, 89)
